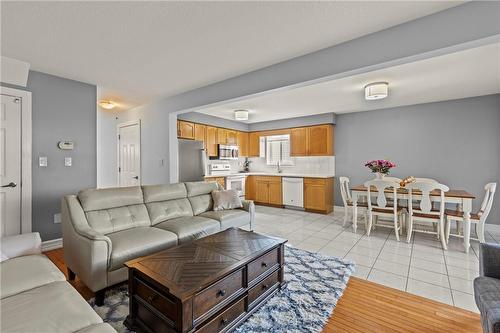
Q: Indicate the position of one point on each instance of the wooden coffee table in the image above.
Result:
(209, 285)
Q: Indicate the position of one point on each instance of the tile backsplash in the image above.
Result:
(312, 165)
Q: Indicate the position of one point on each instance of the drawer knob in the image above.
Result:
(151, 298)
(264, 264)
(221, 293)
(265, 286)
(224, 321)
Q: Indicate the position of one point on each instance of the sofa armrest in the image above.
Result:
(249, 206)
(489, 260)
(86, 252)
(21, 245)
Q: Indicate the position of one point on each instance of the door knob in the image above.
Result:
(11, 184)
(136, 177)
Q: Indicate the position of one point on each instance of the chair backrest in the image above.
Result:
(381, 185)
(425, 204)
(490, 189)
(345, 191)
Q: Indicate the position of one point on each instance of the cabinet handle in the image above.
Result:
(265, 286)
(151, 298)
(264, 265)
(221, 293)
(224, 321)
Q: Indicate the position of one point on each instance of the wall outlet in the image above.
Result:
(42, 161)
(68, 161)
(57, 218)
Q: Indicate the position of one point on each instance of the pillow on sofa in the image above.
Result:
(226, 199)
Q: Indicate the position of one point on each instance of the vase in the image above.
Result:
(379, 175)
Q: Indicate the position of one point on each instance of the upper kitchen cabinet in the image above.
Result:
(298, 141)
(319, 140)
(242, 142)
(211, 141)
(253, 144)
(221, 136)
(185, 130)
(200, 133)
(231, 137)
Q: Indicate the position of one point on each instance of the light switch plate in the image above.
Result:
(68, 161)
(42, 161)
(57, 218)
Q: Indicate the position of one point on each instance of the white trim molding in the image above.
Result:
(26, 193)
(52, 244)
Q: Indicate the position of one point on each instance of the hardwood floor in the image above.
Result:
(370, 307)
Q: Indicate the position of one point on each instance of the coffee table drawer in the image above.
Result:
(225, 319)
(161, 303)
(262, 264)
(217, 293)
(262, 287)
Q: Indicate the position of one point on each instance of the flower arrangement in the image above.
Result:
(380, 166)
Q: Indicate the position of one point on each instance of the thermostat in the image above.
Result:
(66, 145)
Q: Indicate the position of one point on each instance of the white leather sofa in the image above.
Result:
(35, 296)
(104, 228)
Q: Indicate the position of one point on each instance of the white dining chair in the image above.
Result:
(423, 210)
(345, 192)
(427, 180)
(478, 219)
(382, 208)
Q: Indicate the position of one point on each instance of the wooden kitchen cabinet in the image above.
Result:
(221, 135)
(185, 130)
(211, 141)
(220, 180)
(268, 190)
(298, 141)
(231, 137)
(200, 132)
(318, 195)
(242, 142)
(319, 140)
(253, 144)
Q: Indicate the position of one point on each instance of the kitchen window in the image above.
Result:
(278, 150)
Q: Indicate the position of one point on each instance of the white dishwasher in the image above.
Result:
(293, 191)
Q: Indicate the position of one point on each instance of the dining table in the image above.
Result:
(461, 198)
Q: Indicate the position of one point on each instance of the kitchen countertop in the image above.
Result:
(283, 174)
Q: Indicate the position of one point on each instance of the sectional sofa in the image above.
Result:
(35, 296)
(104, 228)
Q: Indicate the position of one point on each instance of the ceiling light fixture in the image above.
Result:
(108, 105)
(376, 90)
(241, 114)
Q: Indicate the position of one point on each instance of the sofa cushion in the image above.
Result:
(27, 272)
(115, 219)
(226, 199)
(133, 243)
(201, 203)
(55, 307)
(199, 188)
(104, 198)
(229, 218)
(167, 210)
(189, 228)
(155, 193)
(487, 294)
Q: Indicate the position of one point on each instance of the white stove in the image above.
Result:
(220, 169)
(233, 181)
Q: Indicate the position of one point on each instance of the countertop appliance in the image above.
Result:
(293, 191)
(226, 152)
(192, 161)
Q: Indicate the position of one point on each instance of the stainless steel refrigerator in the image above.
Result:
(192, 161)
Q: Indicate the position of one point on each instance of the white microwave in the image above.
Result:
(227, 152)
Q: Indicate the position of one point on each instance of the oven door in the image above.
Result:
(237, 184)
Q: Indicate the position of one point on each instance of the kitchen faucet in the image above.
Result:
(279, 166)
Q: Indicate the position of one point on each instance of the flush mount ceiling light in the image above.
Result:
(376, 90)
(241, 114)
(108, 105)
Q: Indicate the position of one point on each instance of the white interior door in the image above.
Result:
(129, 154)
(10, 165)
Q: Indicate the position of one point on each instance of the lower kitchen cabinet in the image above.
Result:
(318, 195)
(268, 190)
(220, 180)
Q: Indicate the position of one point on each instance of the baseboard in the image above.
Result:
(52, 244)
(338, 208)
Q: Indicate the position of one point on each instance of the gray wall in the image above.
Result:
(456, 142)
(317, 119)
(62, 109)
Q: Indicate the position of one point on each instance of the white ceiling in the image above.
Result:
(139, 51)
(473, 72)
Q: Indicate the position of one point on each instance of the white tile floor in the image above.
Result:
(420, 267)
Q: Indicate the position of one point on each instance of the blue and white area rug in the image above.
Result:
(314, 284)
